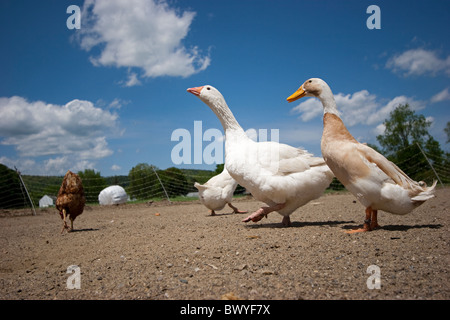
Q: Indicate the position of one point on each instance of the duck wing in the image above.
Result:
(394, 172)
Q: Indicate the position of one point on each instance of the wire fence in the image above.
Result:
(147, 183)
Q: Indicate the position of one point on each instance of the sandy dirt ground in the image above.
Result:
(164, 251)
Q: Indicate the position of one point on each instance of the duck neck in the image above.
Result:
(333, 126)
(328, 102)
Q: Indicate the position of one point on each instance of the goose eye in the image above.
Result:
(310, 81)
(208, 88)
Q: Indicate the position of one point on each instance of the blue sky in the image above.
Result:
(109, 95)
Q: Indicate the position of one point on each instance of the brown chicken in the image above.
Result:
(71, 199)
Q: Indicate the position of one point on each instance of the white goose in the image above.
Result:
(217, 192)
(375, 181)
(283, 177)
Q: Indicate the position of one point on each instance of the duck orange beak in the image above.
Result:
(195, 90)
(300, 93)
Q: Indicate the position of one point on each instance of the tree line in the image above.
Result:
(143, 182)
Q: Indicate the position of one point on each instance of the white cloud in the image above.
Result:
(360, 107)
(115, 167)
(117, 104)
(143, 34)
(132, 80)
(379, 129)
(419, 62)
(52, 166)
(308, 109)
(70, 135)
(383, 111)
(356, 107)
(23, 165)
(444, 95)
(60, 165)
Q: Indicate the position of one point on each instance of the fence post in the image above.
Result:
(25, 187)
(429, 162)
(161, 184)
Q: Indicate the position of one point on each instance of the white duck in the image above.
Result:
(283, 177)
(217, 192)
(375, 181)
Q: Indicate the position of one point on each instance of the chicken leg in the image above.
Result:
(65, 226)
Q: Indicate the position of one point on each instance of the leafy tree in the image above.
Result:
(446, 162)
(405, 131)
(10, 190)
(174, 182)
(38, 186)
(219, 168)
(447, 131)
(433, 149)
(143, 181)
(403, 128)
(93, 184)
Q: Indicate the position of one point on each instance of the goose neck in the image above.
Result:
(226, 117)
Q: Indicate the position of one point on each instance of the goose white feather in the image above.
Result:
(217, 192)
(375, 181)
(283, 177)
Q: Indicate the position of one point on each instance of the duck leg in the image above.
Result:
(236, 210)
(370, 223)
(263, 212)
(374, 221)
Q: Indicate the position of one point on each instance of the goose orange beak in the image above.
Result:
(300, 93)
(195, 90)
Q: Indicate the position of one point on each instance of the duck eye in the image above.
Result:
(208, 88)
(310, 81)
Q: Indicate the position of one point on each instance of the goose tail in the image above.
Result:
(200, 187)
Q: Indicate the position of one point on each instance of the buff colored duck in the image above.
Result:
(376, 182)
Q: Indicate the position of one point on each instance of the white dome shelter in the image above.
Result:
(112, 195)
(46, 201)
